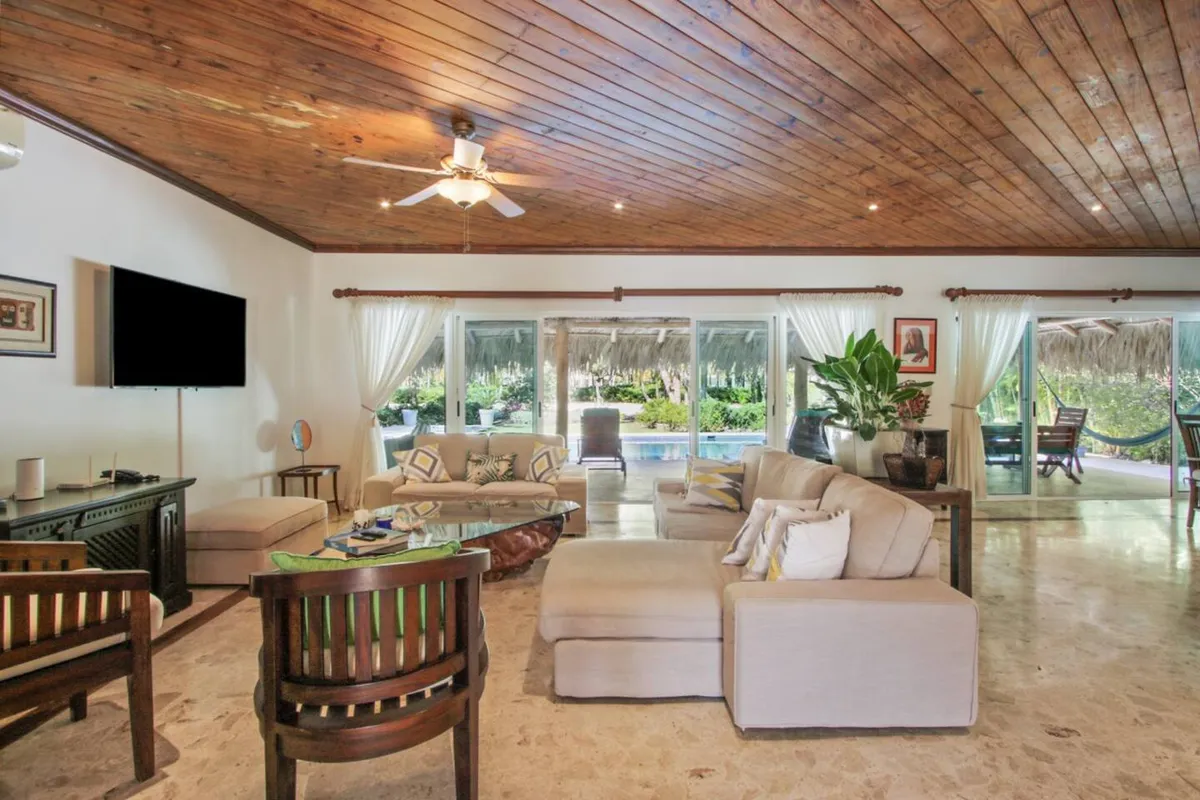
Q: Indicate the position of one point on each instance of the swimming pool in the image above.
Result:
(674, 446)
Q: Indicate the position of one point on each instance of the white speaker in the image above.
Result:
(12, 138)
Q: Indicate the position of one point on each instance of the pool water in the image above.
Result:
(674, 447)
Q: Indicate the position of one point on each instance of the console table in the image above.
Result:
(126, 526)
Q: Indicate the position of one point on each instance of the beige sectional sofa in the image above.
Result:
(388, 488)
(887, 645)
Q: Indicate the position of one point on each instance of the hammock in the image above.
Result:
(1133, 441)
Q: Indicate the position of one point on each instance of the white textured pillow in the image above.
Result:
(812, 551)
(772, 534)
(742, 544)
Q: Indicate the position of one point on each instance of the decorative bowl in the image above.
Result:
(913, 472)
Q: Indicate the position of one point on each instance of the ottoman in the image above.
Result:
(228, 542)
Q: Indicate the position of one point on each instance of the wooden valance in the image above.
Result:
(1106, 294)
(617, 294)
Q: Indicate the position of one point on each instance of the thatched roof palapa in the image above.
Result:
(1107, 346)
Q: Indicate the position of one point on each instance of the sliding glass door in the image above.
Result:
(1185, 389)
(498, 387)
(733, 368)
(1010, 424)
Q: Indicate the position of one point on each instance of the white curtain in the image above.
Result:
(989, 329)
(389, 336)
(825, 321)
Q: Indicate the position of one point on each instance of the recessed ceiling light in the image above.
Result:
(1097, 207)
(617, 206)
(873, 207)
(384, 204)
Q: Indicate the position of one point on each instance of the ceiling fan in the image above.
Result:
(468, 179)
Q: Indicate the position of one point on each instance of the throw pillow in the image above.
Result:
(772, 534)
(715, 483)
(546, 463)
(483, 468)
(423, 465)
(742, 544)
(812, 551)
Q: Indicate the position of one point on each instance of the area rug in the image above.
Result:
(95, 759)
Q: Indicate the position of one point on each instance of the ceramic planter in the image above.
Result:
(487, 417)
(410, 416)
(858, 457)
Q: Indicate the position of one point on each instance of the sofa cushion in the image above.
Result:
(521, 445)
(453, 447)
(452, 490)
(784, 475)
(675, 519)
(490, 468)
(634, 588)
(252, 523)
(715, 483)
(743, 544)
(752, 457)
(887, 532)
(517, 489)
(423, 464)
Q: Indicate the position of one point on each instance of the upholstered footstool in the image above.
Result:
(228, 542)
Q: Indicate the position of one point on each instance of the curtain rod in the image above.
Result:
(1108, 294)
(616, 295)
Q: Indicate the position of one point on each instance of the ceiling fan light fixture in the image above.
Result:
(463, 192)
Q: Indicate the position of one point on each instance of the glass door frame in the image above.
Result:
(456, 409)
(1177, 491)
(771, 382)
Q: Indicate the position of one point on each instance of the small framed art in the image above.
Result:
(916, 344)
(27, 317)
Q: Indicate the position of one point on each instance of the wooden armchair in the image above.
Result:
(1189, 429)
(1058, 448)
(361, 663)
(1068, 415)
(63, 634)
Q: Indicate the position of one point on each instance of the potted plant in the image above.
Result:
(486, 396)
(866, 392)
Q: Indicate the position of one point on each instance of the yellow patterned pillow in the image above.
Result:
(772, 534)
(424, 465)
(715, 483)
(547, 463)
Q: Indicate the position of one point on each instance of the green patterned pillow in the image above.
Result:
(424, 465)
(294, 562)
(547, 463)
(715, 483)
(483, 468)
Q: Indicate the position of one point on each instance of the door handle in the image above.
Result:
(458, 408)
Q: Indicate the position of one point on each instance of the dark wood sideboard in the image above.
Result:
(126, 526)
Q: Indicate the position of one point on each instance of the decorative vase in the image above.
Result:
(487, 417)
(410, 417)
(862, 458)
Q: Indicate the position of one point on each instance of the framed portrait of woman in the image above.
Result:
(916, 344)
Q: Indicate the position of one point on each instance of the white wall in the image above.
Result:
(923, 279)
(67, 211)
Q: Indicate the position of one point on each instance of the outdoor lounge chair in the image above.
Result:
(1068, 415)
(601, 440)
(1058, 449)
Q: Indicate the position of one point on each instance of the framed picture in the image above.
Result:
(916, 344)
(28, 316)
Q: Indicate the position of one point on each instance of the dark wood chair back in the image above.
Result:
(1189, 431)
(1058, 439)
(360, 663)
(1067, 415)
(51, 610)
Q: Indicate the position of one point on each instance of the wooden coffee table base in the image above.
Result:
(514, 550)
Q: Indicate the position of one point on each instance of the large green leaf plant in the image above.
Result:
(864, 386)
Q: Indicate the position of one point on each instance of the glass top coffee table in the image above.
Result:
(517, 532)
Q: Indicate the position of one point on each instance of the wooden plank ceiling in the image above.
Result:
(742, 124)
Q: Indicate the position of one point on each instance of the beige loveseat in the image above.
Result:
(887, 645)
(388, 488)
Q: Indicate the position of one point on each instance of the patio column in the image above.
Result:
(562, 384)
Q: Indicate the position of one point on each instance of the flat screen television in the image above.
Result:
(169, 334)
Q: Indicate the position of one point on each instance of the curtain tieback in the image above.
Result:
(964, 408)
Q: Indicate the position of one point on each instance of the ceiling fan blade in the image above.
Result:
(531, 181)
(467, 154)
(502, 204)
(367, 163)
(420, 196)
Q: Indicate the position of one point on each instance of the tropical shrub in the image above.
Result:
(714, 415)
(662, 412)
(748, 417)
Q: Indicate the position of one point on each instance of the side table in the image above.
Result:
(314, 471)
